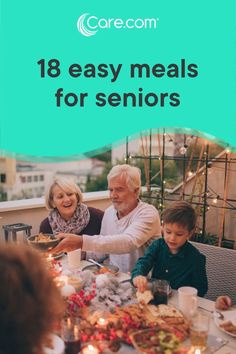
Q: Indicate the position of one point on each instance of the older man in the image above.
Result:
(127, 225)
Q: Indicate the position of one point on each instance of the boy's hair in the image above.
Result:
(182, 213)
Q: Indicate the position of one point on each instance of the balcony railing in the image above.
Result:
(33, 211)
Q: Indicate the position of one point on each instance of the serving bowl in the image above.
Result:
(108, 268)
(43, 242)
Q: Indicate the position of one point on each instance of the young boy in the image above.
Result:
(173, 258)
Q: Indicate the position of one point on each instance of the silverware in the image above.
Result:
(94, 262)
(219, 315)
(216, 312)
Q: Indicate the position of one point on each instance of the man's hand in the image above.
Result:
(68, 243)
(223, 302)
(140, 282)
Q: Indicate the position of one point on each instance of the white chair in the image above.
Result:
(221, 270)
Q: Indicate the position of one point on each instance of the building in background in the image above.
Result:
(24, 180)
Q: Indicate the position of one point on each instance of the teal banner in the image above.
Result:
(79, 75)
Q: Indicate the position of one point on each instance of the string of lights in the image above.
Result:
(197, 170)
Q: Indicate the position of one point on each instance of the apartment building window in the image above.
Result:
(2, 177)
(41, 177)
(29, 179)
(36, 178)
(22, 179)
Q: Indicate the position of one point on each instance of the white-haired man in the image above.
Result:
(128, 224)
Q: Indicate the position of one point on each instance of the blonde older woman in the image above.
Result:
(67, 213)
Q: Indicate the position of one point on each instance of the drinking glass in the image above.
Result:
(187, 300)
(160, 290)
(70, 333)
(74, 258)
(199, 329)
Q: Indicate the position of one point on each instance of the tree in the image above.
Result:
(100, 182)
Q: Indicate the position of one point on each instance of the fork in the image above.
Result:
(94, 262)
(217, 312)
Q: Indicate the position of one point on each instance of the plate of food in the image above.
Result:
(156, 340)
(172, 318)
(228, 323)
(130, 318)
(106, 269)
(43, 242)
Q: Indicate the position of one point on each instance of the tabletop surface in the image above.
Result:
(203, 304)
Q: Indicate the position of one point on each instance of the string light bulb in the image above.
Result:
(215, 200)
(183, 150)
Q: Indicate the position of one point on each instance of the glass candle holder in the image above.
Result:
(102, 322)
(60, 281)
(70, 333)
(160, 290)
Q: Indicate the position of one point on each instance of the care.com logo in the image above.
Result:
(89, 25)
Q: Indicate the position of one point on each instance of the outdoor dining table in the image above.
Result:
(203, 304)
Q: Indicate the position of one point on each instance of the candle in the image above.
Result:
(67, 290)
(55, 268)
(197, 351)
(76, 282)
(64, 278)
(102, 322)
(61, 281)
(49, 258)
(90, 349)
